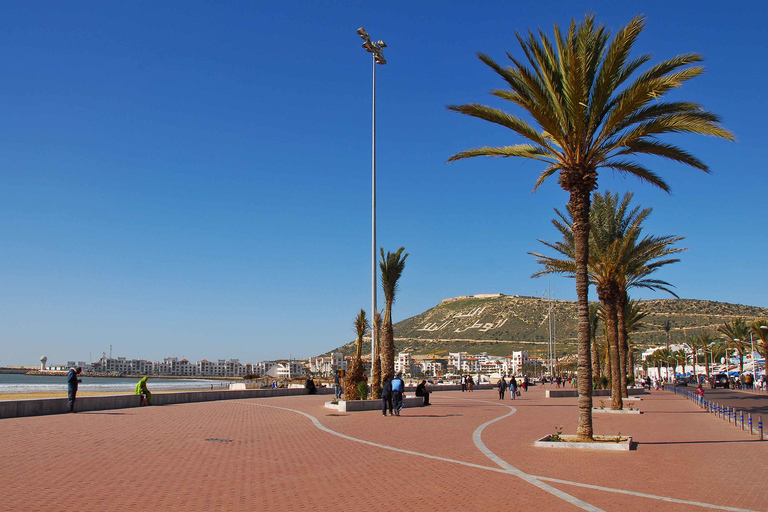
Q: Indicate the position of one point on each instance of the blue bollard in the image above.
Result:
(750, 423)
(760, 426)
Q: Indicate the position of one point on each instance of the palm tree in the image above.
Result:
(667, 327)
(392, 266)
(735, 335)
(355, 371)
(760, 329)
(618, 260)
(703, 342)
(632, 322)
(591, 117)
(376, 363)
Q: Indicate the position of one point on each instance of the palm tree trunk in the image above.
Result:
(608, 370)
(612, 334)
(631, 365)
(579, 203)
(387, 352)
(621, 304)
(595, 360)
(706, 362)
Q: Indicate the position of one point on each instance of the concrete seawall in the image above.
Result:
(45, 406)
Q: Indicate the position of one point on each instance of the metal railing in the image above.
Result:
(724, 412)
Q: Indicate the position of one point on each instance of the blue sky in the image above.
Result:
(193, 179)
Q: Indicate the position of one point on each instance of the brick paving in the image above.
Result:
(158, 458)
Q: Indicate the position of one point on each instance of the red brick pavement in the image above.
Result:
(157, 458)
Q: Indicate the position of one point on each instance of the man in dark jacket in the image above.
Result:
(421, 390)
(502, 387)
(72, 382)
(386, 395)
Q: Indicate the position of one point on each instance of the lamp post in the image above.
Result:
(376, 50)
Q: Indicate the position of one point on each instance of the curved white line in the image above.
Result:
(322, 427)
(506, 467)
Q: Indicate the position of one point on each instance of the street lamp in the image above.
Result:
(376, 49)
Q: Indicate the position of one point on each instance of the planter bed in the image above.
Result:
(612, 411)
(372, 405)
(601, 443)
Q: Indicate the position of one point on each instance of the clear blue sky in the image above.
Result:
(191, 179)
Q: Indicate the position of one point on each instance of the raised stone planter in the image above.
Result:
(613, 411)
(601, 443)
(372, 405)
(572, 393)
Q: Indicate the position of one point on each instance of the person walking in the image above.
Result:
(470, 383)
(398, 388)
(72, 382)
(141, 390)
(337, 384)
(512, 387)
(463, 383)
(502, 387)
(525, 383)
(386, 395)
(700, 395)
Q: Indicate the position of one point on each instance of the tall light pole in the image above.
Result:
(376, 50)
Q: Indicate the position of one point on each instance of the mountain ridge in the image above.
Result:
(499, 324)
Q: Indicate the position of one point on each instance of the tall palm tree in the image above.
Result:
(376, 363)
(735, 334)
(667, 327)
(392, 266)
(591, 116)
(355, 371)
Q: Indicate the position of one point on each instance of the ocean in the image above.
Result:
(15, 383)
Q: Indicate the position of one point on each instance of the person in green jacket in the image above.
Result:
(141, 389)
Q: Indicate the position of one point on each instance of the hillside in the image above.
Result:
(499, 324)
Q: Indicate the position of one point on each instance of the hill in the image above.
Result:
(499, 324)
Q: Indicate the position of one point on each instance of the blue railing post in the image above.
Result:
(760, 426)
(750, 423)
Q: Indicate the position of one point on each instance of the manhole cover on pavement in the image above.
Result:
(216, 440)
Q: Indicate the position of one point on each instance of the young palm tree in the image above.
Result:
(392, 266)
(735, 334)
(590, 116)
(355, 372)
(376, 363)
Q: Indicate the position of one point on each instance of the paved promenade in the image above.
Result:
(467, 452)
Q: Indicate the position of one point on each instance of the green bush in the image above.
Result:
(362, 390)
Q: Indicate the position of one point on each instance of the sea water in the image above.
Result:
(16, 383)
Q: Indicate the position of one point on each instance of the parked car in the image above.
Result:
(681, 381)
(719, 381)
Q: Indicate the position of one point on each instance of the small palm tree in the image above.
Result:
(355, 371)
(392, 266)
(376, 363)
(703, 343)
(589, 116)
(735, 334)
